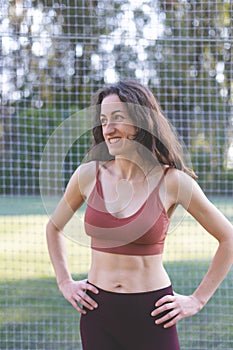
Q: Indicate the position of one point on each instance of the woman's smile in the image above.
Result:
(114, 140)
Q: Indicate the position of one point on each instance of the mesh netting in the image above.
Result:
(54, 56)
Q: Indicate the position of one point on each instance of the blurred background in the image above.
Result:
(53, 57)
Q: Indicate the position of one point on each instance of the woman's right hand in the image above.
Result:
(75, 293)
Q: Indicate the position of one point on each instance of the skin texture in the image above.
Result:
(122, 273)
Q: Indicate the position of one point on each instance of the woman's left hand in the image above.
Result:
(176, 308)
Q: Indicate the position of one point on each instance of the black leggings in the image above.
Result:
(122, 321)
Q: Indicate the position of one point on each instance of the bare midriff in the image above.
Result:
(127, 273)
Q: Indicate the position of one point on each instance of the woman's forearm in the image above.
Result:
(57, 252)
(218, 270)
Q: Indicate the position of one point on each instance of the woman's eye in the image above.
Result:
(115, 118)
(118, 117)
(103, 121)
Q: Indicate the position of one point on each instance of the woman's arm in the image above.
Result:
(191, 197)
(73, 198)
(214, 222)
(69, 203)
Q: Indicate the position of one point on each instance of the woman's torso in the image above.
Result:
(127, 274)
(121, 272)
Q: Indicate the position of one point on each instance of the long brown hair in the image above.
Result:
(153, 129)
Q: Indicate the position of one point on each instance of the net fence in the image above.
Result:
(54, 56)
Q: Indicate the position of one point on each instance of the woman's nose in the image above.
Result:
(109, 128)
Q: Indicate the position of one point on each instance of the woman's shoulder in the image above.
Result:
(84, 177)
(176, 174)
(180, 185)
(178, 177)
(88, 169)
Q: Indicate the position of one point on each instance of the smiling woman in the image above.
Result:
(134, 179)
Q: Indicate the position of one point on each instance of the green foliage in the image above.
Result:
(195, 85)
(181, 49)
(33, 129)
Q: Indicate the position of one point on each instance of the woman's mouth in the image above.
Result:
(114, 140)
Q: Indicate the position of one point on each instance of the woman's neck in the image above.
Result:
(132, 169)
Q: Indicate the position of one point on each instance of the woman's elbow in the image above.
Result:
(228, 244)
(51, 228)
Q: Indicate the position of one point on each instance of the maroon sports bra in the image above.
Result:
(142, 233)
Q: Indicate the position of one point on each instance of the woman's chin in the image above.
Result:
(115, 149)
(114, 152)
(121, 153)
(121, 148)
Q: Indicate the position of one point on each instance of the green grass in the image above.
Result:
(34, 315)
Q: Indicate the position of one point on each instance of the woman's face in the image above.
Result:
(117, 127)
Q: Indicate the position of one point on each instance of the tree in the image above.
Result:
(55, 55)
(183, 51)
(45, 59)
(196, 64)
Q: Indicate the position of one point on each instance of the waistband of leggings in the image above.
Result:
(167, 289)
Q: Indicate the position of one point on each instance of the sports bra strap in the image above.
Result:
(97, 169)
(163, 176)
(166, 170)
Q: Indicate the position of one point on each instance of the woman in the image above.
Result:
(131, 192)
